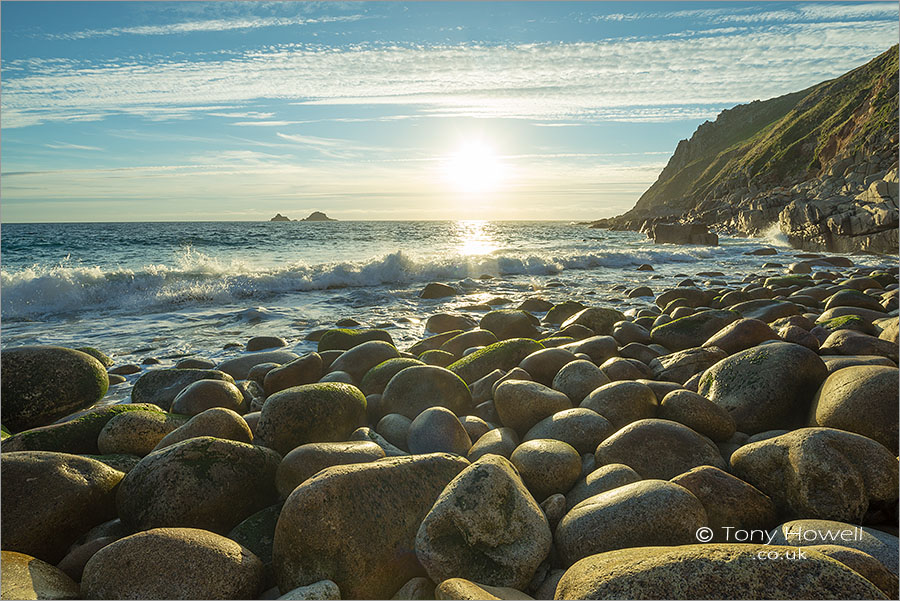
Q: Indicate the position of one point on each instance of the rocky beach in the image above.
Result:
(728, 435)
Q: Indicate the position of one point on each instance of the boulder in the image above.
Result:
(658, 448)
(466, 340)
(239, 367)
(726, 571)
(598, 319)
(173, 563)
(438, 430)
(766, 387)
(323, 589)
(344, 339)
(25, 577)
(307, 460)
(368, 434)
(578, 379)
(50, 499)
(203, 482)
(851, 342)
(642, 514)
(437, 290)
(206, 394)
(867, 566)
(161, 386)
(218, 422)
(460, 588)
(395, 429)
(323, 412)
(441, 323)
(766, 310)
(622, 402)
(302, 370)
(363, 357)
(257, 533)
(520, 404)
(597, 348)
(730, 503)
(547, 466)
(543, 365)
(820, 473)
(693, 330)
(741, 335)
(499, 441)
(377, 378)
(861, 399)
(43, 383)
(414, 389)
(77, 435)
(600, 480)
(137, 432)
(485, 526)
(682, 365)
(802, 533)
(365, 542)
(582, 428)
(697, 413)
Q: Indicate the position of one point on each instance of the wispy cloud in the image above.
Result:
(208, 25)
(67, 146)
(737, 14)
(634, 80)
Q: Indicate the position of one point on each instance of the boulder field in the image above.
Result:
(732, 440)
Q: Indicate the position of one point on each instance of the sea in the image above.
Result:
(173, 290)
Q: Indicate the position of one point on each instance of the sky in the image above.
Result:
(144, 111)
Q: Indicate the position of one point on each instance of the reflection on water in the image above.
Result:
(474, 238)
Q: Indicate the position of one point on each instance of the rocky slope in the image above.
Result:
(820, 164)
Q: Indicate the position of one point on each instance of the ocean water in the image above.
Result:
(169, 290)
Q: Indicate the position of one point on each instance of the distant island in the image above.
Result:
(314, 216)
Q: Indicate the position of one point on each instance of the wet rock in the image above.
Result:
(820, 473)
(302, 370)
(195, 363)
(547, 466)
(206, 394)
(485, 526)
(440, 323)
(598, 319)
(239, 367)
(578, 379)
(698, 413)
(173, 563)
(520, 405)
(510, 323)
(562, 311)
(582, 428)
(658, 448)
(730, 503)
(765, 387)
(643, 514)
(43, 383)
(415, 389)
(258, 343)
(693, 330)
(730, 571)
(310, 413)
(861, 399)
(307, 460)
(364, 543)
(203, 482)
(82, 491)
(622, 402)
(682, 365)
(438, 430)
(740, 335)
(363, 357)
(25, 577)
(161, 386)
(849, 342)
(437, 290)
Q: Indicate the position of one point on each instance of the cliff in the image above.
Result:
(820, 163)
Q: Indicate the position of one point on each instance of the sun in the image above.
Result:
(475, 168)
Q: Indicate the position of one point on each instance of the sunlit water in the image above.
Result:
(169, 290)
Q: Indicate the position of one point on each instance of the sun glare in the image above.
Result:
(474, 168)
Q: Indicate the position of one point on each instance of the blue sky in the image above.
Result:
(131, 111)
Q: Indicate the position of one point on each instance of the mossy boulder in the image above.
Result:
(562, 311)
(97, 354)
(203, 482)
(356, 524)
(118, 461)
(43, 383)
(161, 386)
(504, 355)
(378, 377)
(343, 339)
(173, 563)
(239, 367)
(362, 357)
(783, 281)
(50, 499)
(321, 412)
(434, 342)
(848, 322)
(723, 571)
(76, 436)
(137, 432)
(693, 330)
(767, 387)
(510, 323)
(218, 422)
(598, 319)
(415, 389)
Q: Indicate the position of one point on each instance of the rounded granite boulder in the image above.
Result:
(203, 482)
(414, 389)
(321, 412)
(218, 422)
(25, 577)
(43, 383)
(521, 404)
(437, 430)
(173, 563)
(307, 460)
